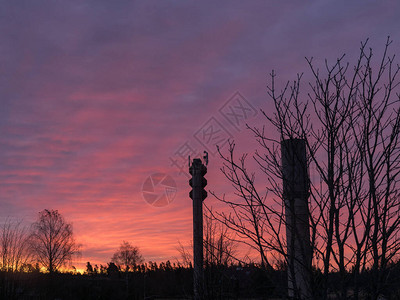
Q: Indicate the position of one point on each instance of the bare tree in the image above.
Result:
(185, 255)
(52, 240)
(127, 255)
(219, 250)
(219, 244)
(376, 131)
(351, 125)
(14, 247)
(219, 253)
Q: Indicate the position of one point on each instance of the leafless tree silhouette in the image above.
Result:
(351, 124)
(14, 246)
(127, 256)
(52, 241)
(218, 243)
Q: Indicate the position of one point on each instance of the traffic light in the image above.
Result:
(198, 182)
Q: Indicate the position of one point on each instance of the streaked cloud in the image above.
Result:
(95, 97)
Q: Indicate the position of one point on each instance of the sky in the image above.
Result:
(99, 100)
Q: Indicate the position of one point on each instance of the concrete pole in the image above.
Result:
(295, 194)
(198, 194)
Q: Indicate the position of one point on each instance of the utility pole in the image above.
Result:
(295, 195)
(198, 194)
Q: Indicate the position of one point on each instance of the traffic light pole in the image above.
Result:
(198, 194)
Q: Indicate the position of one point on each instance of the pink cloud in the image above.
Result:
(96, 98)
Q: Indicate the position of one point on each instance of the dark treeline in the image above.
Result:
(144, 281)
(169, 281)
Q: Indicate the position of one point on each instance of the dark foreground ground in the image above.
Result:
(221, 282)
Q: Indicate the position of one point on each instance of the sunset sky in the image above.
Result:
(97, 96)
